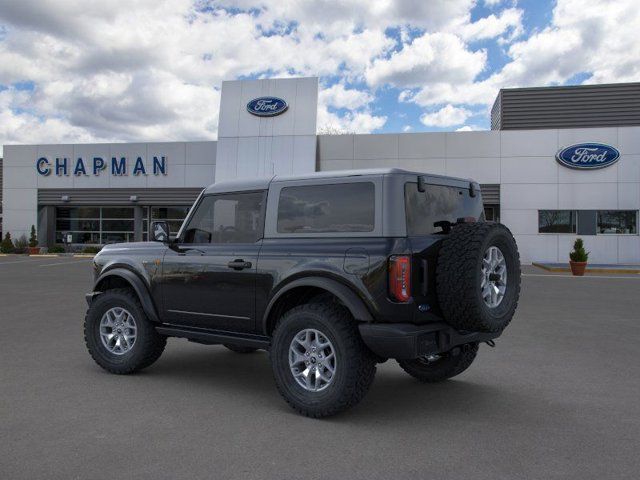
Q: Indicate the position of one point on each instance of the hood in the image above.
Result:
(111, 247)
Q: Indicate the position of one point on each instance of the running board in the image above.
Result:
(213, 337)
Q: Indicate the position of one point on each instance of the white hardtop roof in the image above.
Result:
(263, 183)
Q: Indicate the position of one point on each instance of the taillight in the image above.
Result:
(400, 277)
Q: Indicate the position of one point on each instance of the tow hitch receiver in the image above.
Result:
(405, 341)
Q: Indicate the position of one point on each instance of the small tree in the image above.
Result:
(7, 244)
(21, 244)
(33, 238)
(579, 254)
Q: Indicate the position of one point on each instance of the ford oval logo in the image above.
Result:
(267, 106)
(588, 156)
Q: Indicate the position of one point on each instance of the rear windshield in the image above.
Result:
(344, 207)
(436, 204)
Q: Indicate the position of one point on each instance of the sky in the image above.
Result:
(74, 71)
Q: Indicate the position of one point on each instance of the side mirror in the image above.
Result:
(160, 231)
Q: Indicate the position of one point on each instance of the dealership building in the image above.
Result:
(559, 162)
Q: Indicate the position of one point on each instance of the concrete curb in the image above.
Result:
(50, 255)
(589, 269)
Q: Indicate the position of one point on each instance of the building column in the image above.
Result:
(138, 225)
(46, 226)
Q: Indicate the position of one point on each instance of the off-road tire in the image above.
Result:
(356, 365)
(459, 273)
(239, 349)
(148, 345)
(447, 366)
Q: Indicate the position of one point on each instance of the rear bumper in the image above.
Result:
(406, 341)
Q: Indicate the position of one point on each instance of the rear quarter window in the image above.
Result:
(438, 203)
(331, 208)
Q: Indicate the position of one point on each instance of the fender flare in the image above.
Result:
(138, 286)
(346, 295)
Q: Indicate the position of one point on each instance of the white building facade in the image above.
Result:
(115, 190)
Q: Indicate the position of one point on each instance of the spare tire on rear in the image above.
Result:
(478, 277)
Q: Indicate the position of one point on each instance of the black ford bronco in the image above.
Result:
(331, 273)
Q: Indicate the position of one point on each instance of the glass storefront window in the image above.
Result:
(95, 225)
(117, 212)
(78, 224)
(173, 215)
(79, 237)
(557, 221)
(78, 212)
(618, 222)
(117, 225)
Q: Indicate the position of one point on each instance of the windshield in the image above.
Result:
(428, 212)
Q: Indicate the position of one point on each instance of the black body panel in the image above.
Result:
(202, 288)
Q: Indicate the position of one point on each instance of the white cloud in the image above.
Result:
(433, 57)
(468, 128)
(509, 20)
(595, 37)
(351, 122)
(447, 116)
(151, 70)
(357, 119)
(339, 96)
(583, 37)
(331, 17)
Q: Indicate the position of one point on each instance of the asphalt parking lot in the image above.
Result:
(559, 397)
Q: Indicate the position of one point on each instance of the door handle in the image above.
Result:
(239, 264)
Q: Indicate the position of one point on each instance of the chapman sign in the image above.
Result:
(588, 156)
(117, 166)
(267, 106)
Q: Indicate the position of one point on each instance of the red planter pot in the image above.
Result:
(34, 250)
(578, 268)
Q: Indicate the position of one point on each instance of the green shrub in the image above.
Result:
(56, 249)
(579, 254)
(91, 249)
(33, 238)
(7, 244)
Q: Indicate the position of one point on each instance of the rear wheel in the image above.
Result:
(436, 368)
(118, 334)
(320, 364)
(239, 349)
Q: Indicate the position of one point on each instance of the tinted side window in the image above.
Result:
(229, 218)
(344, 207)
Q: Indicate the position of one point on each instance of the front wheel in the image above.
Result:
(436, 368)
(320, 364)
(118, 334)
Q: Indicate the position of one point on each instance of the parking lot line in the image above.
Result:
(17, 261)
(63, 263)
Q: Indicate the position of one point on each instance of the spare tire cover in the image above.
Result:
(478, 277)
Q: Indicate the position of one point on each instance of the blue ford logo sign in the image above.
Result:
(588, 156)
(267, 106)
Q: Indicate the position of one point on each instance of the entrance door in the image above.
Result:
(209, 273)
